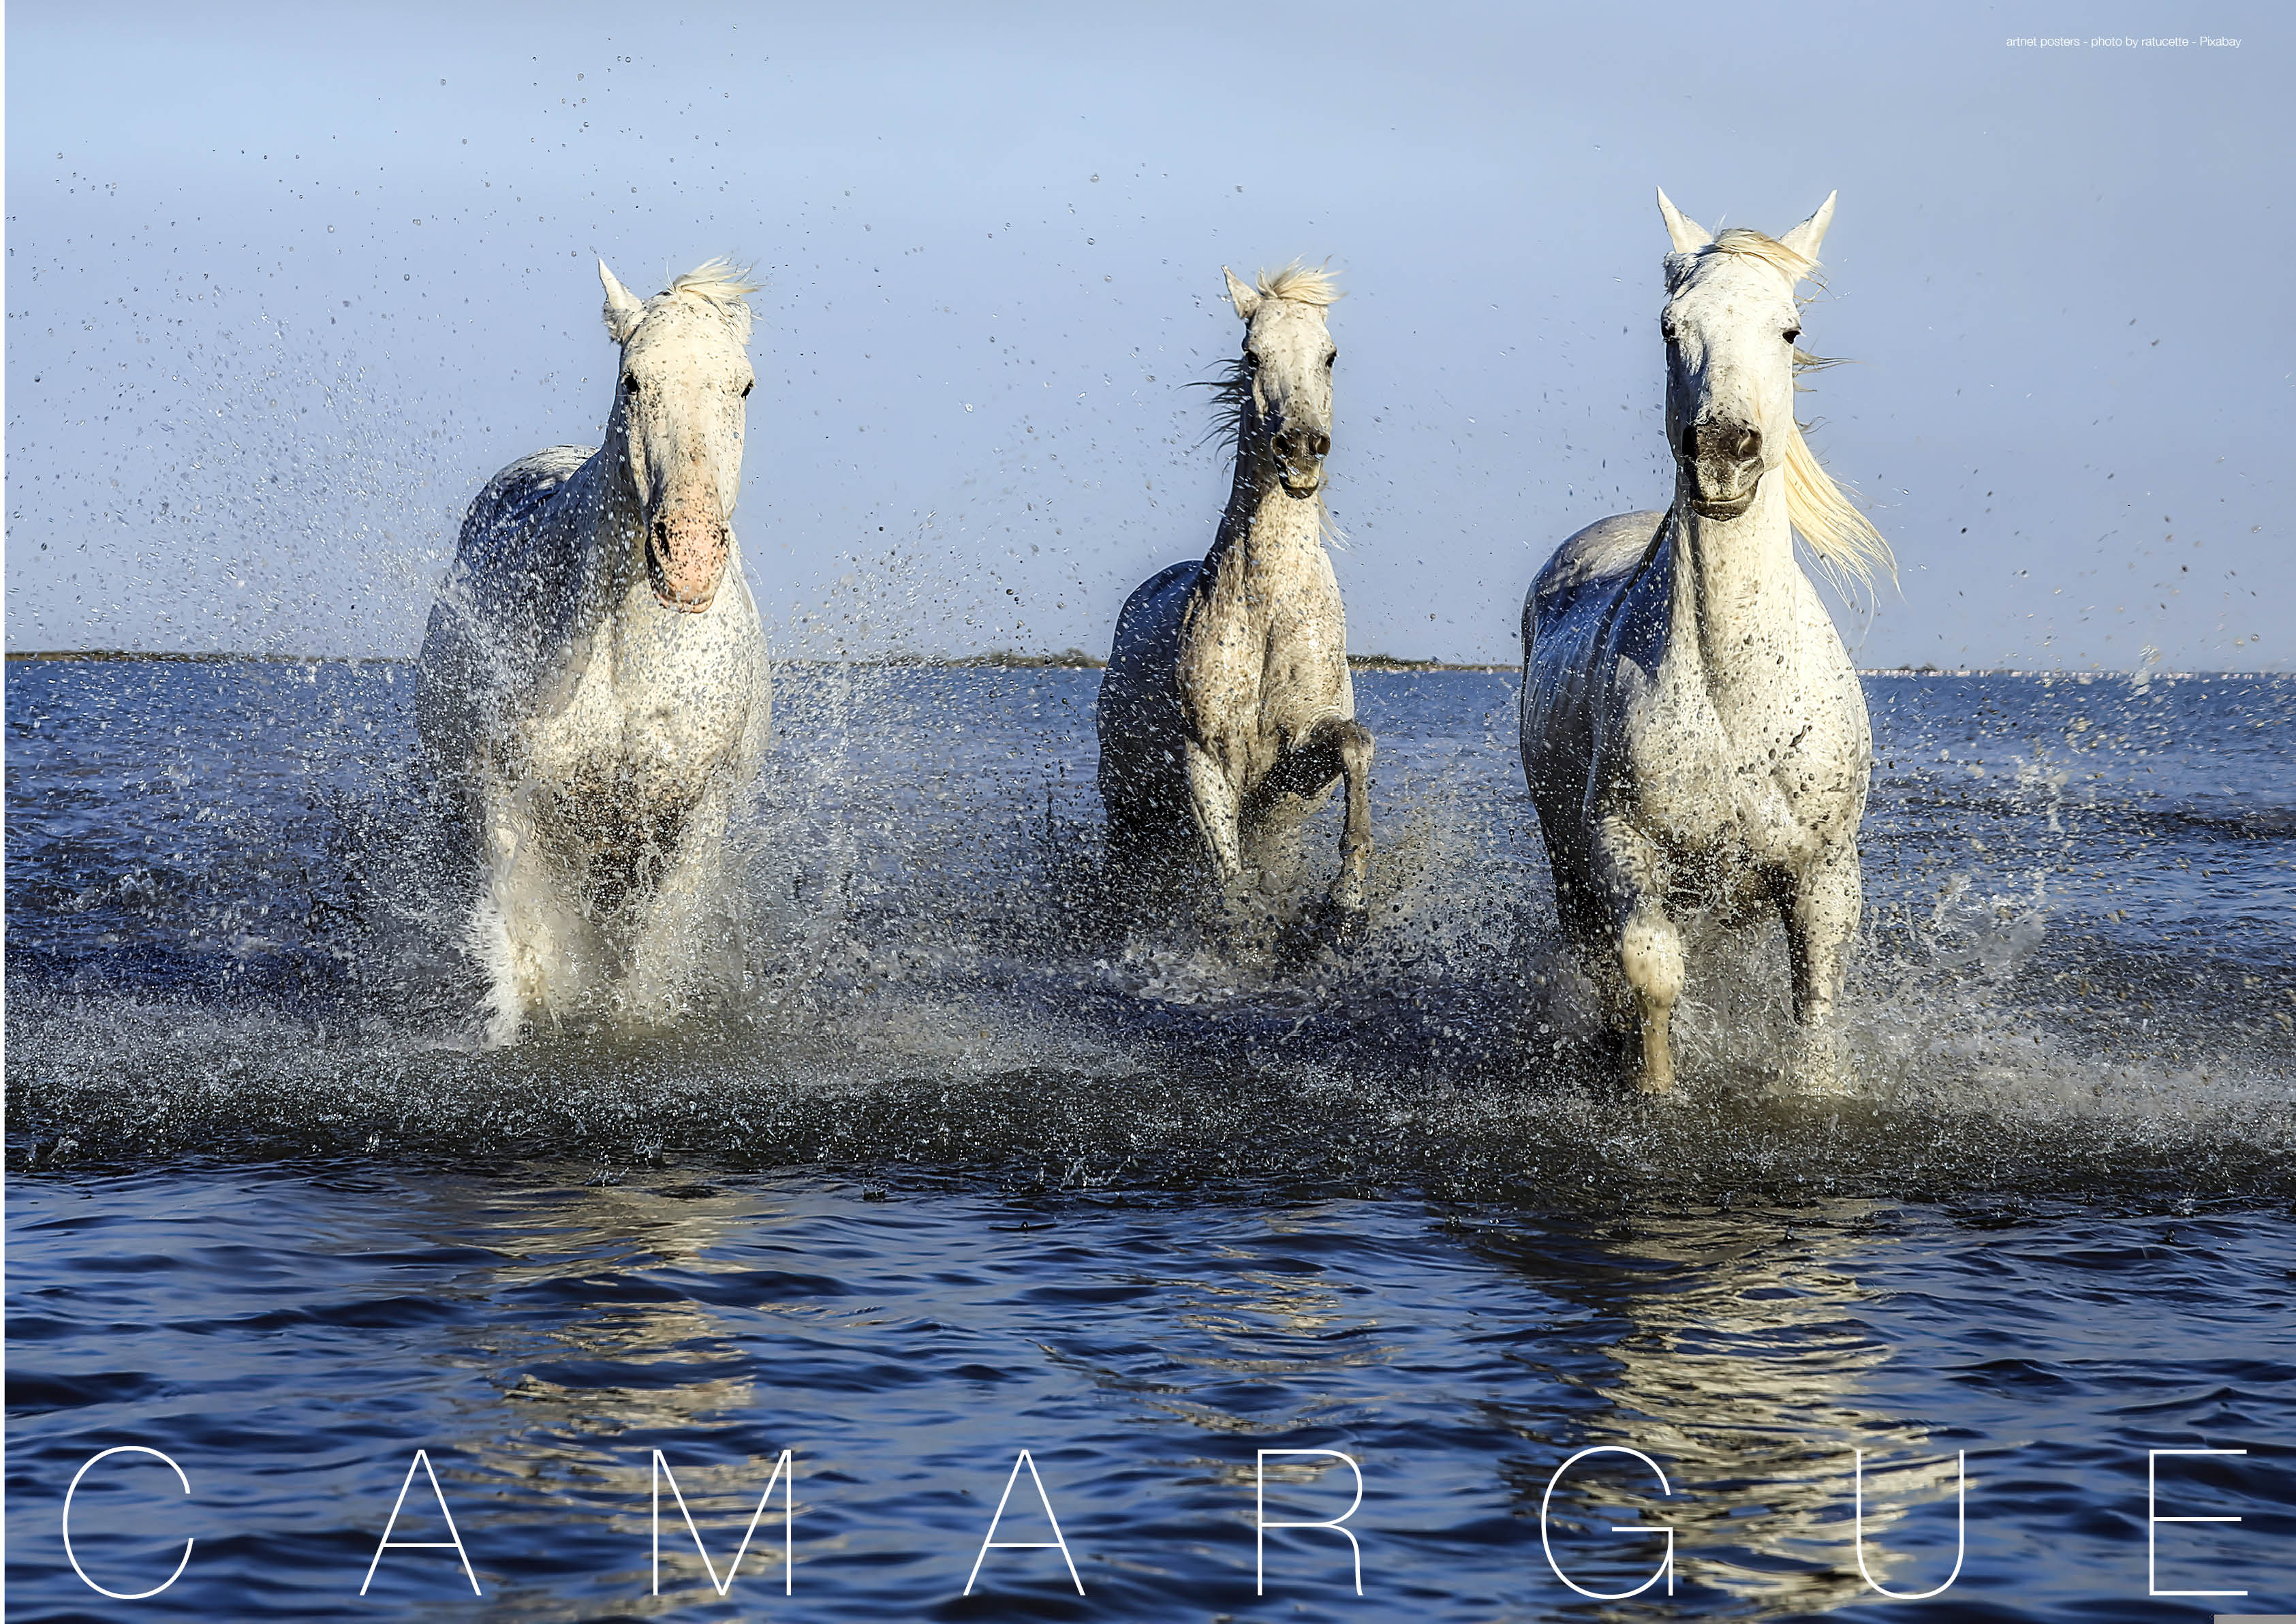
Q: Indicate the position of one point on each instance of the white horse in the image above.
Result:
(594, 685)
(1692, 730)
(1227, 710)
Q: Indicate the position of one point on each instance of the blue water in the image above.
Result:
(947, 1168)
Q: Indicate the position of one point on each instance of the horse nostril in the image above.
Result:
(1719, 442)
(1323, 443)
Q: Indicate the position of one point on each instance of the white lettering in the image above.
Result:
(2153, 1518)
(122, 1596)
(1960, 1531)
(786, 1463)
(454, 1541)
(1666, 1566)
(1024, 1545)
(1259, 1585)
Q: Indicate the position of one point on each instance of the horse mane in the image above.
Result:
(719, 283)
(1830, 523)
(1302, 284)
(1231, 389)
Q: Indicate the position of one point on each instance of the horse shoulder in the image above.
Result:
(1601, 555)
(1148, 626)
(1816, 693)
(1566, 656)
(511, 495)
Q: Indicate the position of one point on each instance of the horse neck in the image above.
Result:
(1264, 523)
(1736, 581)
(612, 550)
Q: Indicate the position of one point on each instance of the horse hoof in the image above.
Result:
(1818, 1073)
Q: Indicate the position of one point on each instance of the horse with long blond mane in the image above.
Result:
(594, 693)
(1693, 734)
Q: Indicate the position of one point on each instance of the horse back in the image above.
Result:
(513, 561)
(1139, 718)
(1576, 628)
(515, 502)
(1588, 572)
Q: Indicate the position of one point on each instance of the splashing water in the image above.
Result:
(2074, 975)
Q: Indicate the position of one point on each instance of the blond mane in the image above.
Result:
(1829, 522)
(719, 283)
(1302, 284)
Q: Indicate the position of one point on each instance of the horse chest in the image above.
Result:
(654, 700)
(1751, 782)
(1260, 689)
(1263, 660)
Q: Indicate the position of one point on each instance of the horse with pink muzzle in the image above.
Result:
(594, 694)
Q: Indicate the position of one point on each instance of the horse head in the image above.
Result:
(678, 421)
(1730, 325)
(1283, 391)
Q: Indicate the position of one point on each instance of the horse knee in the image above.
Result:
(1649, 954)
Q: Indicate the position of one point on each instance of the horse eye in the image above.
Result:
(746, 387)
(1332, 358)
(1792, 334)
(1666, 330)
(630, 383)
(1251, 359)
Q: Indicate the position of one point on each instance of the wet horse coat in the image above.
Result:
(594, 693)
(1693, 734)
(1227, 711)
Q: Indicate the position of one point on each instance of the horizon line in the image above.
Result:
(1071, 660)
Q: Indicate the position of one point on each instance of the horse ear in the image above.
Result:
(623, 310)
(1688, 235)
(1804, 238)
(1241, 294)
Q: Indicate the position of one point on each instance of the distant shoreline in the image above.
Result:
(993, 660)
(1067, 660)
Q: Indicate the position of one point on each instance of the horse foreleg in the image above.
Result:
(1217, 809)
(535, 950)
(1649, 945)
(1355, 744)
(671, 936)
(1821, 913)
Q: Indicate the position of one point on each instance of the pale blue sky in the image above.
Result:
(286, 284)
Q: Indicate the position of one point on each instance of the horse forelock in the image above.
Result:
(1302, 284)
(720, 286)
(1740, 242)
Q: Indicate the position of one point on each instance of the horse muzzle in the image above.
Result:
(1299, 461)
(1301, 480)
(684, 561)
(1723, 463)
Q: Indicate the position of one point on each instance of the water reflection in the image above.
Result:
(1735, 1351)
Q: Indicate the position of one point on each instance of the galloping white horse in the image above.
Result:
(594, 685)
(1692, 730)
(1227, 708)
